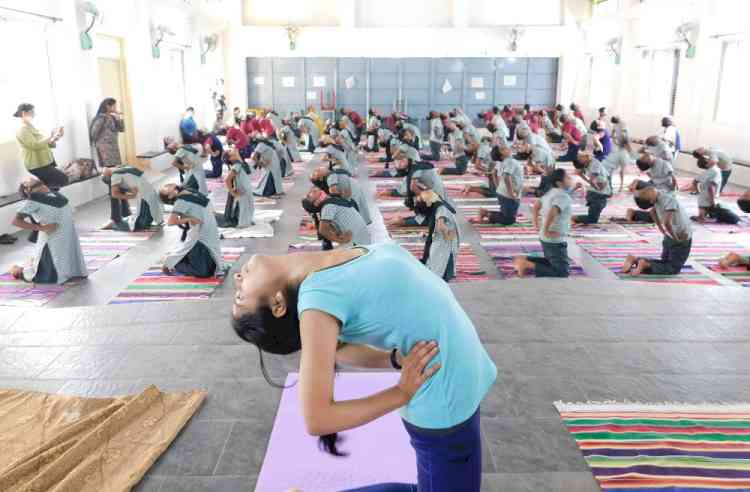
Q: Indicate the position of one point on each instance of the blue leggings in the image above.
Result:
(447, 460)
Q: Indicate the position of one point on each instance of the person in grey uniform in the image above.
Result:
(308, 127)
(458, 147)
(708, 185)
(483, 162)
(722, 159)
(335, 154)
(130, 183)
(551, 216)
(440, 252)
(290, 140)
(674, 223)
(188, 161)
(338, 220)
(600, 187)
(509, 178)
(266, 157)
(338, 182)
(659, 170)
(284, 162)
(199, 253)
(436, 136)
(58, 256)
(240, 208)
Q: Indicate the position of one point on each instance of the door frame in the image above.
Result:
(130, 153)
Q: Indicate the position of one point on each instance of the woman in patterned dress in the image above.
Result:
(104, 133)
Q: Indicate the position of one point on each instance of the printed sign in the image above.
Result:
(510, 80)
(477, 82)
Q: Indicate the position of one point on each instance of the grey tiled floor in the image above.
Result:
(570, 340)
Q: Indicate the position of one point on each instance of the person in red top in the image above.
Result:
(508, 113)
(572, 136)
(250, 124)
(265, 126)
(357, 120)
(237, 137)
(488, 116)
(533, 122)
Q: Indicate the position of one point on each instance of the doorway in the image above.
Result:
(113, 83)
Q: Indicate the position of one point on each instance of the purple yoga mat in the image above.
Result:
(378, 452)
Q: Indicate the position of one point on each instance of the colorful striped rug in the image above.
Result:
(156, 286)
(502, 253)
(740, 275)
(99, 248)
(663, 448)
(467, 263)
(612, 254)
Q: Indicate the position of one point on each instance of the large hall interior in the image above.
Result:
(358, 245)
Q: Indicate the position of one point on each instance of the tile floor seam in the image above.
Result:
(223, 449)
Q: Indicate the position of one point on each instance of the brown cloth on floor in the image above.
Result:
(65, 443)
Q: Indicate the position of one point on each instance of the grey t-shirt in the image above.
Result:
(598, 174)
(514, 169)
(560, 199)
(666, 202)
(661, 175)
(708, 177)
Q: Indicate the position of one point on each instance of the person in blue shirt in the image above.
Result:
(329, 305)
(188, 126)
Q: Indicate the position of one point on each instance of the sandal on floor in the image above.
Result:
(7, 239)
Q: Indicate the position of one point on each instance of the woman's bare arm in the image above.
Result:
(323, 415)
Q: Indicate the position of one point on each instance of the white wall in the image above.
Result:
(242, 42)
(652, 25)
(76, 88)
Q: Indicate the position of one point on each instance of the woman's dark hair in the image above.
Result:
(495, 154)
(278, 336)
(744, 205)
(107, 102)
(697, 154)
(615, 120)
(643, 164)
(642, 203)
(594, 126)
(666, 121)
(491, 127)
(166, 199)
(558, 175)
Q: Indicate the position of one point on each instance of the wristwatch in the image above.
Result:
(394, 360)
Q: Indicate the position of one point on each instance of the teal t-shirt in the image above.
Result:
(388, 299)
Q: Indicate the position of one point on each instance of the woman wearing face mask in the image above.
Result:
(58, 256)
(104, 133)
(441, 246)
(555, 211)
(36, 149)
(329, 305)
(199, 253)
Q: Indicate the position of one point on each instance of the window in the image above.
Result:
(25, 76)
(658, 81)
(733, 75)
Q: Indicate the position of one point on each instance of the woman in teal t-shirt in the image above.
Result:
(366, 307)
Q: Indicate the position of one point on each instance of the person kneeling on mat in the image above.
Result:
(130, 183)
(555, 209)
(338, 182)
(509, 178)
(311, 302)
(240, 208)
(440, 252)
(336, 219)
(189, 163)
(199, 253)
(600, 188)
(58, 256)
(673, 221)
(708, 186)
(732, 260)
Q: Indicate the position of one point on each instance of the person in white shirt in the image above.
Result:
(670, 135)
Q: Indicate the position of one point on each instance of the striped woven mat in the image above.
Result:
(663, 448)
(156, 286)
